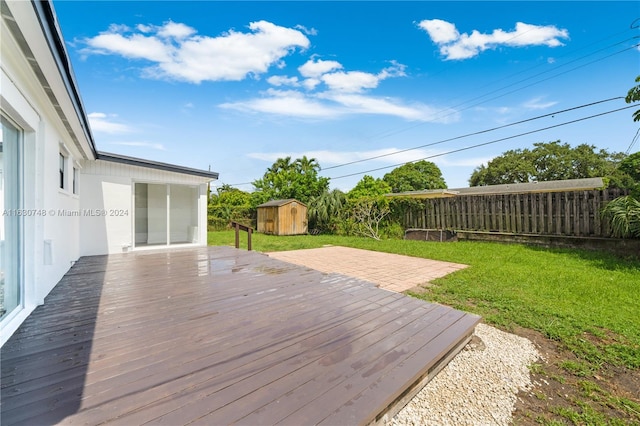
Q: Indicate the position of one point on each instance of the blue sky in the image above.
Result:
(235, 85)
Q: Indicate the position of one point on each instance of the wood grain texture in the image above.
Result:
(218, 336)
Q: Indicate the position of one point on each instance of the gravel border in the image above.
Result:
(478, 387)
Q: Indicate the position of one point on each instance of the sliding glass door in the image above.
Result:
(11, 220)
(165, 214)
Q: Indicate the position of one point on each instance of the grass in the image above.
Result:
(586, 301)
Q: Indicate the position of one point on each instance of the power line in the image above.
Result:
(436, 115)
(478, 133)
(633, 141)
(383, 135)
(548, 71)
(485, 143)
(474, 133)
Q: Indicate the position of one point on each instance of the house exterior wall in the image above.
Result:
(59, 223)
(108, 210)
(49, 239)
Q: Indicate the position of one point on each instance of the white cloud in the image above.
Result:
(351, 81)
(315, 68)
(135, 46)
(103, 123)
(454, 45)
(288, 103)
(311, 83)
(360, 104)
(440, 31)
(180, 54)
(334, 105)
(307, 31)
(175, 30)
(158, 146)
(280, 80)
(343, 94)
(358, 81)
(538, 103)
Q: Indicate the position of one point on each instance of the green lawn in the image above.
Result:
(586, 300)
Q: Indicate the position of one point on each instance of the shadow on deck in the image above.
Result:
(218, 336)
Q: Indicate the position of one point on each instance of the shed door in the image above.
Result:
(294, 217)
(269, 220)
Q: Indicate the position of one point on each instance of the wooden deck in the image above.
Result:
(219, 336)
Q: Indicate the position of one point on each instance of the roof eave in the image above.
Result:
(133, 161)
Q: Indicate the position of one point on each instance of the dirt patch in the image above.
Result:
(565, 390)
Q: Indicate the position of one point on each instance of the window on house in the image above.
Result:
(75, 180)
(11, 225)
(165, 214)
(62, 170)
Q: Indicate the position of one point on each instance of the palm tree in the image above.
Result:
(624, 212)
(307, 165)
(624, 216)
(325, 208)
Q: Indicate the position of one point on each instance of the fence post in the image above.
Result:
(238, 227)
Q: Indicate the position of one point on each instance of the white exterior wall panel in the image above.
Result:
(108, 187)
(59, 226)
(49, 241)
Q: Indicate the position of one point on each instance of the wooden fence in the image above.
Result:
(571, 213)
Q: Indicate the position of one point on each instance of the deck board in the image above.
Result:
(217, 336)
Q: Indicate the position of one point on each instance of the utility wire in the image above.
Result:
(383, 135)
(549, 71)
(474, 133)
(485, 143)
(437, 114)
(491, 99)
(633, 141)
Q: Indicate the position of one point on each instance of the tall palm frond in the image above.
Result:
(624, 216)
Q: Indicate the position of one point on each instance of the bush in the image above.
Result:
(624, 216)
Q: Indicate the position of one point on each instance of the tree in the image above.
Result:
(229, 204)
(631, 166)
(367, 207)
(549, 161)
(230, 196)
(415, 177)
(286, 179)
(368, 187)
(634, 96)
(624, 212)
(326, 210)
(367, 215)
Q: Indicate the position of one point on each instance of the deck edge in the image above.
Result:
(413, 389)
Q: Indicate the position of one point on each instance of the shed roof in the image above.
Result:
(117, 158)
(279, 203)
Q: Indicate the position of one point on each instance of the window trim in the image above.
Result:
(75, 180)
(62, 172)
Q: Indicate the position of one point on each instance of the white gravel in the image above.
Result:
(478, 387)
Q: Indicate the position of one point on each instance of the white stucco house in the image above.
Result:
(60, 197)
